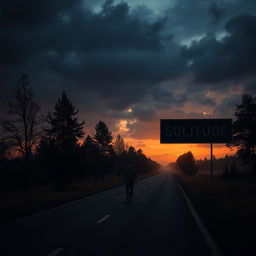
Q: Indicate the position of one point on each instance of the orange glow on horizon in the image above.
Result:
(166, 153)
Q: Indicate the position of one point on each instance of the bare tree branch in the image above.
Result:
(21, 128)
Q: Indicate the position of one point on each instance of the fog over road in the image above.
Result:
(157, 222)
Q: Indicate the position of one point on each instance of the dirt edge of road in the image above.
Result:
(227, 209)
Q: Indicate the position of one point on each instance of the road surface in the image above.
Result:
(157, 222)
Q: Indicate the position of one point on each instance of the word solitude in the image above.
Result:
(196, 130)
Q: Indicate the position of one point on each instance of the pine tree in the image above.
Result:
(89, 145)
(59, 149)
(65, 130)
(103, 139)
(91, 157)
(119, 145)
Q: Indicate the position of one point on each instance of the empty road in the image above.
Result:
(157, 222)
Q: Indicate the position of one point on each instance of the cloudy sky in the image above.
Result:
(130, 63)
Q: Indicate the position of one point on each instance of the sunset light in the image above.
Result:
(128, 128)
(166, 153)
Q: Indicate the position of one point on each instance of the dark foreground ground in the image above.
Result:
(157, 222)
(16, 204)
(228, 209)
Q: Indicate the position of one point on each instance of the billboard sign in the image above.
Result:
(195, 130)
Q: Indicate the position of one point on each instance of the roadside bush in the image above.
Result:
(187, 163)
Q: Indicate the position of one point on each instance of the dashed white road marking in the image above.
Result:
(103, 219)
(55, 252)
(206, 235)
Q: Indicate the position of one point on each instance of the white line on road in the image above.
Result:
(56, 251)
(103, 219)
(207, 237)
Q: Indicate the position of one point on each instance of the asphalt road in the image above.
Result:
(157, 222)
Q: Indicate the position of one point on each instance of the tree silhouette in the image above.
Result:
(119, 145)
(120, 149)
(187, 163)
(104, 140)
(49, 157)
(90, 157)
(244, 130)
(21, 127)
(65, 130)
(131, 154)
(59, 149)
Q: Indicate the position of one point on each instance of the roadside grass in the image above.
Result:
(228, 209)
(21, 204)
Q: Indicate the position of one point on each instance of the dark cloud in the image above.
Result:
(111, 52)
(192, 19)
(145, 114)
(29, 14)
(189, 19)
(167, 97)
(216, 11)
(250, 85)
(231, 58)
(202, 99)
(227, 106)
(119, 56)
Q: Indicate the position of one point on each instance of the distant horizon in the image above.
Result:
(166, 153)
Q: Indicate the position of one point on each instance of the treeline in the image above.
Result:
(37, 150)
(225, 168)
(219, 163)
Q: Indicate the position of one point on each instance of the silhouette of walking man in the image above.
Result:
(129, 177)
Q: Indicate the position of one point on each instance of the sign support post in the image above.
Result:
(211, 167)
